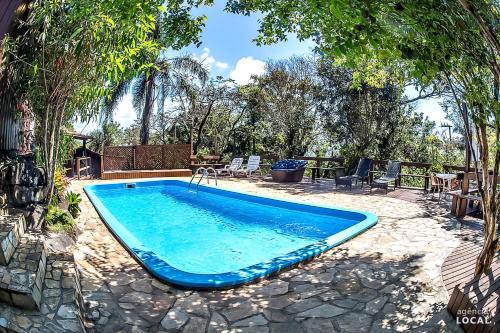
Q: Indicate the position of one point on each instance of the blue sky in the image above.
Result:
(228, 50)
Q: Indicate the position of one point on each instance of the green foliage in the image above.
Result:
(298, 106)
(70, 54)
(455, 42)
(67, 147)
(73, 200)
(109, 134)
(155, 87)
(59, 220)
(60, 182)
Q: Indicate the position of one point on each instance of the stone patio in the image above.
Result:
(384, 280)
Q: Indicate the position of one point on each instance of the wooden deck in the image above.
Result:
(128, 174)
(478, 295)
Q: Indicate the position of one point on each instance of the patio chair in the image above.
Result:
(252, 167)
(230, 169)
(390, 176)
(362, 173)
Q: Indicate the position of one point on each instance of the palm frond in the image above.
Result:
(187, 64)
(110, 102)
(139, 93)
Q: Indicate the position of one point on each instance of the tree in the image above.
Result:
(451, 41)
(204, 103)
(110, 134)
(158, 83)
(290, 98)
(369, 121)
(72, 52)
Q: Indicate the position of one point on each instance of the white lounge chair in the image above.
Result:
(252, 167)
(231, 168)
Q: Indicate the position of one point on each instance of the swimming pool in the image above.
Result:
(217, 238)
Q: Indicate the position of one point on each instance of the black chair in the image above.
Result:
(362, 173)
(390, 176)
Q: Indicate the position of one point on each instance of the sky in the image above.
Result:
(227, 50)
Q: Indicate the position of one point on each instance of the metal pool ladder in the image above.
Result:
(205, 172)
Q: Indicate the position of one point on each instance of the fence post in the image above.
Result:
(133, 157)
(318, 165)
(102, 166)
(370, 174)
(78, 168)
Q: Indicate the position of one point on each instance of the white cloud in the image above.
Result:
(85, 127)
(245, 68)
(125, 113)
(221, 65)
(209, 60)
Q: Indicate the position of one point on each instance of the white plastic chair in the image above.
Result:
(231, 168)
(252, 167)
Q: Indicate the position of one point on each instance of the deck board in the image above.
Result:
(470, 292)
(129, 174)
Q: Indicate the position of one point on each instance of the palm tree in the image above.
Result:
(166, 78)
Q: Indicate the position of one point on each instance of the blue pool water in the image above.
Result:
(218, 238)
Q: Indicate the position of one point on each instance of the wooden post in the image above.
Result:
(133, 157)
(459, 204)
(102, 165)
(78, 168)
(318, 165)
(426, 179)
(370, 174)
(191, 139)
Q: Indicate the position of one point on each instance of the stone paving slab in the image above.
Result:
(384, 280)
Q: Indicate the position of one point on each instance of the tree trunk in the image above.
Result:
(200, 128)
(148, 110)
(488, 251)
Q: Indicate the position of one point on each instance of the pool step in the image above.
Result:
(22, 279)
(12, 228)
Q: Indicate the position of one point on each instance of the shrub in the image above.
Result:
(73, 199)
(60, 182)
(59, 220)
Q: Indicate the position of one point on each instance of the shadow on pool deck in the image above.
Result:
(360, 286)
(335, 292)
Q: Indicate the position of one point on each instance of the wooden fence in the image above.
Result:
(146, 157)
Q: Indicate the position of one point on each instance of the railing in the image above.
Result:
(146, 157)
(335, 168)
(408, 177)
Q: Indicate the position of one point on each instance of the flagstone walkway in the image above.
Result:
(384, 280)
